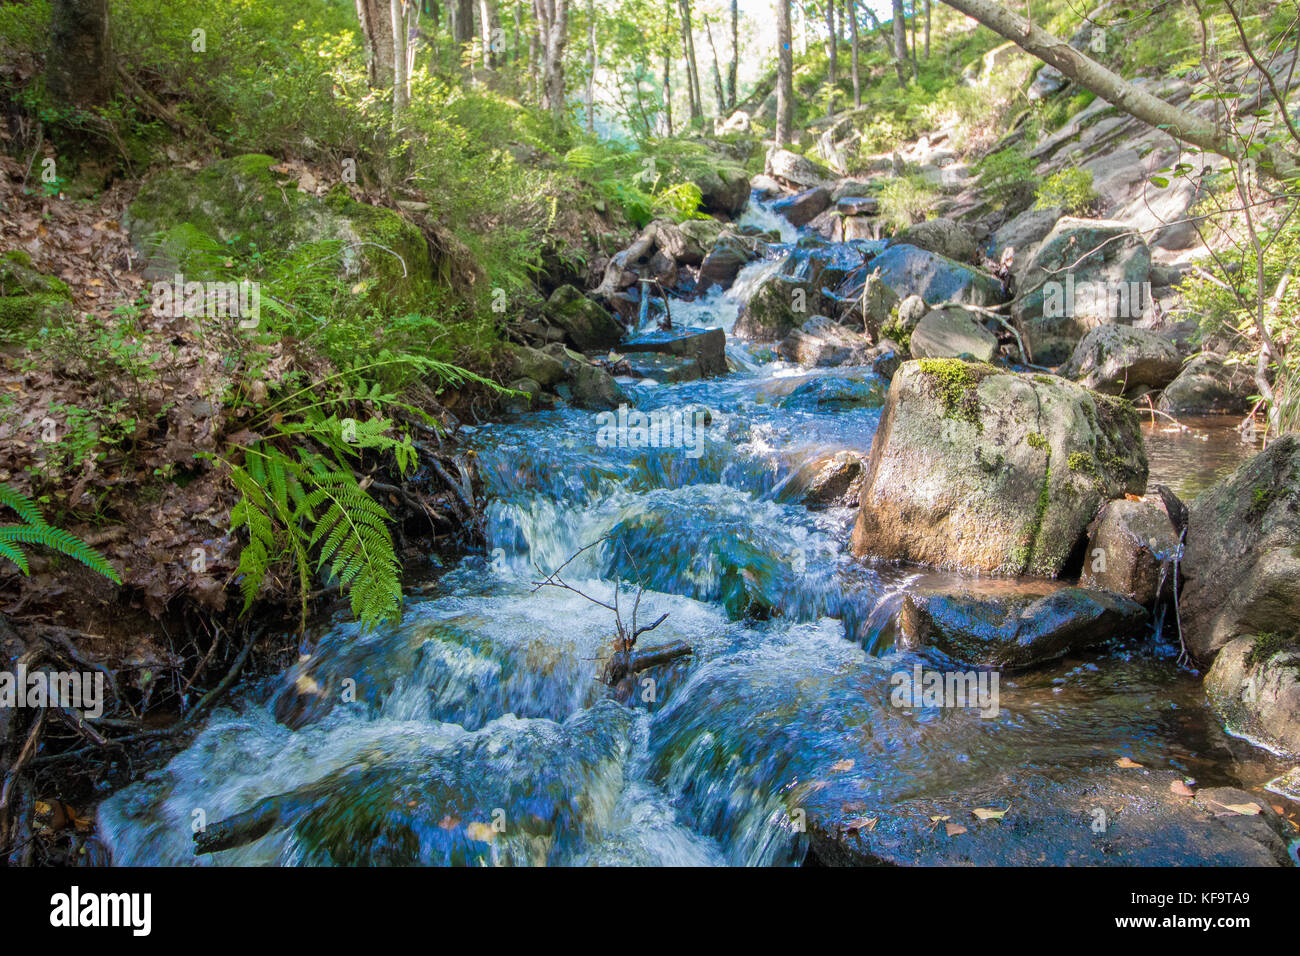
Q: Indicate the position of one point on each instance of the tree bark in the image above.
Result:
(462, 22)
(718, 93)
(401, 91)
(1182, 125)
(785, 74)
(734, 67)
(692, 71)
(591, 66)
(79, 67)
(668, 67)
(927, 29)
(900, 42)
(553, 34)
(489, 29)
(851, 8)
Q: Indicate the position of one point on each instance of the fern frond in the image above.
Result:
(61, 541)
(24, 507)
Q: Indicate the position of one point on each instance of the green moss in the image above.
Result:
(1036, 440)
(1261, 499)
(1268, 645)
(1082, 462)
(1025, 555)
(956, 382)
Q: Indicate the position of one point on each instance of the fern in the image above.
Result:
(35, 531)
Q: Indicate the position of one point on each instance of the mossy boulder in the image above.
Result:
(1254, 688)
(937, 279)
(29, 299)
(1241, 566)
(953, 332)
(1122, 360)
(183, 219)
(981, 469)
(586, 324)
(778, 306)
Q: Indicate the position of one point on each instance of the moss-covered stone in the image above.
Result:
(28, 299)
(183, 218)
(586, 324)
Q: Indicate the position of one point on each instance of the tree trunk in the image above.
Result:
(851, 7)
(591, 66)
(1115, 90)
(668, 67)
(734, 67)
(900, 42)
(553, 34)
(915, 69)
(718, 93)
(832, 56)
(927, 29)
(401, 91)
(462, 22)
(79, 67)
(377, 30)
(692, 70)
(785, 74)
(490, 31)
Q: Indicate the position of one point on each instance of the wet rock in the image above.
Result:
(857, 205)
(1254, 688)
(838, 393)
(1241, 566)
(867, 302)
(700, 234)
(953, 332)
(1085, 273)
(1121, 360)
(530, 395)
(1072, 817)
(802, 208)
(766, 187)
(985, 470)
(941, 236)
(799, 171)
(707, 348)
(827, 481)
(1124, 544)
(729, 255)
(911, 311)
(534, 364)
(594, 388)
(1015, 626)
(777, 307)
(821, 342)
(1207, 385)
(909, 270)
(586, 324)
(724, 191)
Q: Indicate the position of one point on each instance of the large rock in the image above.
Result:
(1241, 566)
(942, 236)
(825, 481)
(594, 388)
(953, 332)
(1014, 625)
(912, 271)
(821, 342)
(1131, 547)
(724, 191)
(28, 299)
(833, 392)
(778, 306)
(1254, 687)
(528, 363)
(706, 347)
(1023, 233)
(1122, 360)
(802, 208)
(586, 324)
(1207, 385)
(178, 214)
(799, 171)
(730, 254)
(869, 304)
(985, 470)
(1085, 273)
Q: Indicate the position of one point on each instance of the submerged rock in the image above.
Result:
(707, 348)
(821, 342)
(830, 480)
(838, 393)
(1015, 626)
(1242, 564)
(985, 470)
(1254, 688)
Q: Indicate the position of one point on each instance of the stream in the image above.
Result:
(476, 732)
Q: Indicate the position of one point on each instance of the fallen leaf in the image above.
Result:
(1124, 763)
(482, 832)
(983, 813)
(955, 829)
(841, 765)
(1240, 809)
(1180, 788)
(939, 819)
(860, 823)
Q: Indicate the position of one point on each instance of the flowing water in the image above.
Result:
(477, 732)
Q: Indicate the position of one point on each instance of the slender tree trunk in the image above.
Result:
(851, 9)
(79, 66)
(462, 22)
(785, 74)
(489, 31)
(734, 67)
(401, 91)
(692, 70)
(668, 67)
(927, 29)
(832, 56)
(900, 42)
(915, 69)
(718, 93)
(377, 30)
(519, 32)
(591, 66)
(1092, 76)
